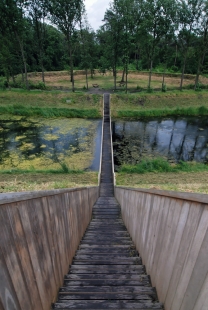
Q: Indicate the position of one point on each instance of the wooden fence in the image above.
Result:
(40, 232)
(170, 231)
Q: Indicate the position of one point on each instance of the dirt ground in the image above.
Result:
(135, 81)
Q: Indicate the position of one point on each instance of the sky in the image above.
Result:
(95, 11)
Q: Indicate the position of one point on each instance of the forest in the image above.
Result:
(165, 36)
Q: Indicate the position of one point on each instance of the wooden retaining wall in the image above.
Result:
(170, 230)
(40, 232)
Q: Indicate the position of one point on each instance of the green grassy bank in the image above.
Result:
(50, 104)
(33, 181)
(162, 165)
(139, 105)
(175, 181)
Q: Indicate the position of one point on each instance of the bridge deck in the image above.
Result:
(107, 272)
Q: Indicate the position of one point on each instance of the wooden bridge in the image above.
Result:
(46, 234)
(107, 271)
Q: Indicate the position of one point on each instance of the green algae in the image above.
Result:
(43, 144)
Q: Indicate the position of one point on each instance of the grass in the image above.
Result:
(163, 104)
(48, 112)
(63, 169)
(162, 165)
(18, 182)
(175, 181)
(159, 174)
(50, 104)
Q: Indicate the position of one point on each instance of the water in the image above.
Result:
(171, 138)
(48, 143)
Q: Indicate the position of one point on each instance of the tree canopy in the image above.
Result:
(46, 35)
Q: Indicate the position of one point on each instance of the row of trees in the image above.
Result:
(54, 34)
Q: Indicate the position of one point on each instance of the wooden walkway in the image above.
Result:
(107, 272)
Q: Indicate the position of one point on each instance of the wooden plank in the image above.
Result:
(189, 231)
(51, 244)
(12, 261)
(99, 304)
(122, 288)
(141, 279)
(24, 256)
(31, 233)
(190, 263)
(115, 269)
(7, 292)
(126, 261)
(105, 296)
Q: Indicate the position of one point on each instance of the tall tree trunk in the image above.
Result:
(23, 59)
(126, 76)
(71, 68)
(123, 74)
(114, 77)
(86, 74)
(42, 67)
(197, 75)
(183, 71)
(163, 79)
(150, 74)
(176, 55)
(200, 64)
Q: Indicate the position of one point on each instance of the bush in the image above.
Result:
(164, 88)
(149, 89)
(4, 84)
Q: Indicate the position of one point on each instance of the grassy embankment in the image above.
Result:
(141, 104)
(50, 104)
(173, 103)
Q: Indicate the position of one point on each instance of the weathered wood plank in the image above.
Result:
(99, 304)
(105, 296)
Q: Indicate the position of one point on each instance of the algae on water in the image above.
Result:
(47, 143)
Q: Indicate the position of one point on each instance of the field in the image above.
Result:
(136, 80)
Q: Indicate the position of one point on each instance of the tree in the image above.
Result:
(87, 48)
(113, 28)
(67, 15)
(156, 20)
(12, 24)
(189, 12)
(203, 41)
(38, 12)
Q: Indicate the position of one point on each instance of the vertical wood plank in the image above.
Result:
(8, 297)
(190, 261)
(192, 222)
(24, 257)
(12, 261)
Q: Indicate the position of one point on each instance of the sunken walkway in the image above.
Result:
(107, 272)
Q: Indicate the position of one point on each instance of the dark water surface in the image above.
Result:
(46, 144)
(171, 138)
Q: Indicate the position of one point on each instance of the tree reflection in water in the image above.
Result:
(173, 138)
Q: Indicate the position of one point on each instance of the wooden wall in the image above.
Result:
(170, 231)
(40, 232)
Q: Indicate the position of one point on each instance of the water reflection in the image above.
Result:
(175, 139)
(47, 143)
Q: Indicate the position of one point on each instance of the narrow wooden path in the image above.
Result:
(107, 272)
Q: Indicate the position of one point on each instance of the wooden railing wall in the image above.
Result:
(40, 232)
(170, 230)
